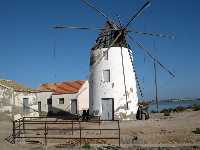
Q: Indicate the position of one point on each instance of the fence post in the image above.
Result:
(19, 127)
(23, 125)
(99, 125)
(119, 132)
(72, 127)
(80, 131)
(45, 133)
(14, 132)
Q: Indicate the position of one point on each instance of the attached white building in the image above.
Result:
(69, 96)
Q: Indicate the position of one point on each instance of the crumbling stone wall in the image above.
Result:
(5, 97)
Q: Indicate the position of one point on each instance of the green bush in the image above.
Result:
(196, 131)
(166, 112)
(179, 109)
(87, 146)
(196, 107)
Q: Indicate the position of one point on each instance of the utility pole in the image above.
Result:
(156, 86)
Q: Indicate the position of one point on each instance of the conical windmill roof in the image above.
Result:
(107, 36)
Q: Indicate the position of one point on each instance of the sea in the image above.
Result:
(165, 104)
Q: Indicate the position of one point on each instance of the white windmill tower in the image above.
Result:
(112, 79)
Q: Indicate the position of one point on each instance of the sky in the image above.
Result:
(32, 53)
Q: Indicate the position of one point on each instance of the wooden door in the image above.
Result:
(39, 107)
(74, 106)
(107, 109)
(49, 103)
(25, 105)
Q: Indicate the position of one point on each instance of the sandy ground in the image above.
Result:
(159, 129)
(174, 129)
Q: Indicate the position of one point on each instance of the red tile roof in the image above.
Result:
(67, 87)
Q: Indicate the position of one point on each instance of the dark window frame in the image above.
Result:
(61, 101)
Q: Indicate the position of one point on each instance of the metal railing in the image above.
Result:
(26, 128)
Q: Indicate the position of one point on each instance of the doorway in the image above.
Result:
(49, 103)
(25, 105)
(107, 109)
(39, 107)
(74, 106)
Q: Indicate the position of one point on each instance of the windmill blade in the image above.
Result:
(80, 28)
(73, 27)
(97, 10)
(138, 84)
(136, 76)
(154, 34)
(151, 56)
(147, 4)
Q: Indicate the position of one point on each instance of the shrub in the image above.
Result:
(166, 112)
(196, 131)
(196, 107)
(87, 146)
(179, 109)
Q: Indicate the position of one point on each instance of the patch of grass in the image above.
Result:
(196, 107)
(196, 131)
(87, 146)
(166, 112)
(180, 109)
(177, 109)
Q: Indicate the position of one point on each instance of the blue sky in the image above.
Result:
(27, 42)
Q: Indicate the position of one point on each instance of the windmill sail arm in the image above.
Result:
(97, 10)
(73, 27)
(136, 76)
(154, 34)
(147, 4)
(151, 56)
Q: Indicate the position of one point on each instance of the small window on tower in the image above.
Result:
(105, 54)
(106, 75)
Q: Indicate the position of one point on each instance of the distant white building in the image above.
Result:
(17, 98)
(69, 96)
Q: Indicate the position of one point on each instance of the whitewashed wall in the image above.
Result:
(10, 98)
(19, 96)
(42, 97)
(115, 88)
(6, 95)
(67, 101)
(83, 97)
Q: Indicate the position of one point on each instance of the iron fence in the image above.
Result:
(48, 128)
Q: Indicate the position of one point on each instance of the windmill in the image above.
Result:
(113, 80)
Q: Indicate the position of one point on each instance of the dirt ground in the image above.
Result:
(159, 129)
